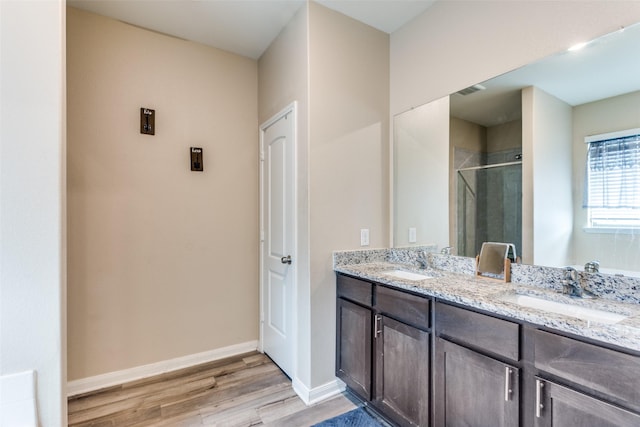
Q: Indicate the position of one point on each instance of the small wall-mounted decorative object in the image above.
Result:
(196, 159)
(147, 121)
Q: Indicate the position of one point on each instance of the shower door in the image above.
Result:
(489, 206)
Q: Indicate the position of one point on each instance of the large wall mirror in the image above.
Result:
(507, 160)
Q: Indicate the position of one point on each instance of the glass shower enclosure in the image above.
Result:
(489, 206)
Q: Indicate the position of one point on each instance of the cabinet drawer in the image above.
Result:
(403, 306)
(607, 371)
(355, 290)
(489, 333)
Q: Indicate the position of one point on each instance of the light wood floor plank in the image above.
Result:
(187, 419)
(251, 401)
(223, 391)
(245, 390)
(148, 385)
(276, 410)
(314, 414)
(196, 381)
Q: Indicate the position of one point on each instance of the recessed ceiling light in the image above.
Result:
(577, 47)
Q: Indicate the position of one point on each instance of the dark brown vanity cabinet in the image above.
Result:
(560, 406)
(601, 386)
(386, 363)
(477, 382)
(483, 370)
(473, 389)
(402, 356)
(353, 341)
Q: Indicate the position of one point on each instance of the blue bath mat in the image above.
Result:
(356, 418)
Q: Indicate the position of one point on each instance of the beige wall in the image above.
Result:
(618, 251)
(162, 261)
(455, 44)
(32, 206)
(547, 211)
(419, 136)
(467, 136)
(342, 154)
(464, 134)
(348, 158)
(283, 77)
(473, 137)
(505, 136)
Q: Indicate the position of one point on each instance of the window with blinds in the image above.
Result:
(612, 191)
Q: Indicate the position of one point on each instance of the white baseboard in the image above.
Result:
(85, 385)
(317, 394)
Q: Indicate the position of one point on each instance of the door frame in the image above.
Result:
(292, 110)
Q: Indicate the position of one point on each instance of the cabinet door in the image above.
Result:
(474, 390)
(558, 406)
(353, 352)
(402, 372)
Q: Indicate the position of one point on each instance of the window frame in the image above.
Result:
(599, 224)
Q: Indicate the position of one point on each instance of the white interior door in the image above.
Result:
(278, 257)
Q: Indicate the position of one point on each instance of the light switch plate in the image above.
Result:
(412, 235)
(364, 237)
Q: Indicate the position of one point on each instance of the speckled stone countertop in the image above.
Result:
(482, 293)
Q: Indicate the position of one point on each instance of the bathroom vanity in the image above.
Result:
(384, 348)
(436, 347)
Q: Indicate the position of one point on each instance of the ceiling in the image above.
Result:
(245, 27)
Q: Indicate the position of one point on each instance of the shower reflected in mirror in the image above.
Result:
(489, 206)
(486, 179)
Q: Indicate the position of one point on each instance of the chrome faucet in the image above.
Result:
(423, 259)
(571, 284)
(446, 250)
(592, 267)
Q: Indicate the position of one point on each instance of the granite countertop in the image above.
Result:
(485, 294)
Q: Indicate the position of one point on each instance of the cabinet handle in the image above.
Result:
(539, 405)
(376, 326)
(507, 383)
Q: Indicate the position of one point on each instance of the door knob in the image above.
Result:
(286, 259)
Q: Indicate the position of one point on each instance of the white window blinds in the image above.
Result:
(613, 180)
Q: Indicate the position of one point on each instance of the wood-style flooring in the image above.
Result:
(246, 390)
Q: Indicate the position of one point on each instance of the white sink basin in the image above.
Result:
(572, 310)
(407, 275)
